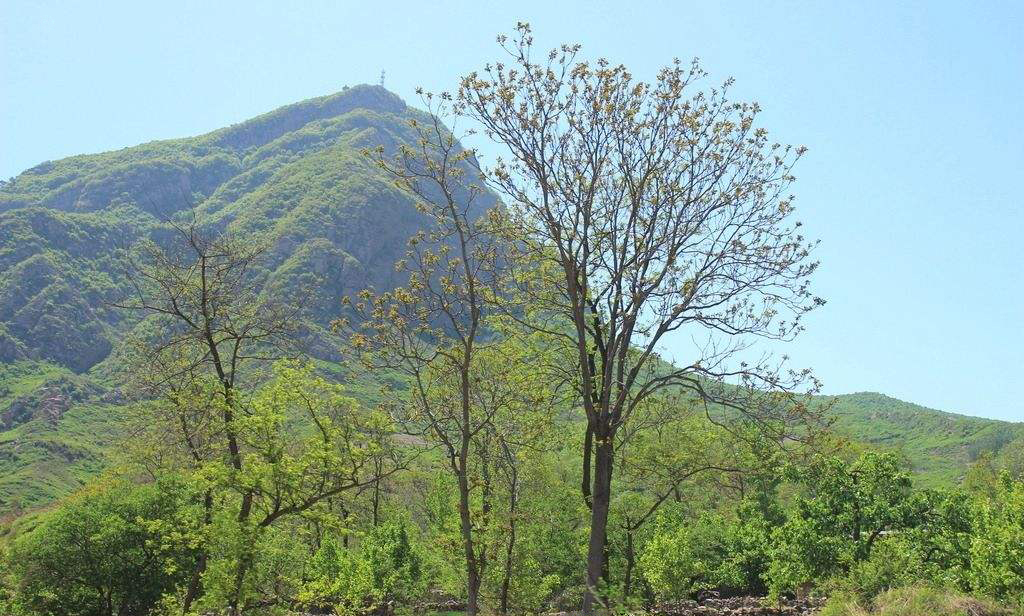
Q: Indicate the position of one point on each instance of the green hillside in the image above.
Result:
(337, 224)
(939, 445)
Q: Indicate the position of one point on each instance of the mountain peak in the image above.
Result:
(269, 126)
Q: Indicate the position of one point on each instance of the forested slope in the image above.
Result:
(939, 445)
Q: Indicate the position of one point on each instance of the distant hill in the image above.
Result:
(337, 224)
(939, 445)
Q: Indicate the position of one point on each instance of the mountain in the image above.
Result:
(338, 223)
(295, 174)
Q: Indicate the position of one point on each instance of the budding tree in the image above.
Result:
(261, 452)
(660, 208)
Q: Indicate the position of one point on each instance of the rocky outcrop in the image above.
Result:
(442, 605)
(48, 402)
(741, 606)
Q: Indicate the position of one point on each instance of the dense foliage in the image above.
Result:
(115, 548)
(120, 547)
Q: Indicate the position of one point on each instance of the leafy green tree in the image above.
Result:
(198, 287)
(847, 510)
(113, 549)
(997, 549)
(306, 443)
(940, 543)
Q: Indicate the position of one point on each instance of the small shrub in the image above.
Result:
(385, 568)
(892, 564)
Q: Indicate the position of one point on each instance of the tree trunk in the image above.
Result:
(473, 594)
(466, 526)
(596, 548)
(588, 448)
(344, 537)
(510, 550)
(376, 499)
(630, 562)
(195, 584)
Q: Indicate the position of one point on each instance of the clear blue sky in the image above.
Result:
(914, 116)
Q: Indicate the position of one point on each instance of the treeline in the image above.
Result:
(848, 528)
(528, 447)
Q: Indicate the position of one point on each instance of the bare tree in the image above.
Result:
(658, 208)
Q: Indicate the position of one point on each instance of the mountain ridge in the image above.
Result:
(868, 393)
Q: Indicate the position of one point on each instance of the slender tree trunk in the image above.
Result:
(466, 526)
(648, 593)
(376, 501)
(195, 584)
(596, 548)
(473, 594)
(245, 509)
(630, 561)
(510, 549)
(472, 570)
(588, 448)
(344, 516)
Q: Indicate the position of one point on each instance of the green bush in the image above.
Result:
(997, 549)
(114, 548)
(682, 559)
(384, 569)
(892, 564)
(714, 552)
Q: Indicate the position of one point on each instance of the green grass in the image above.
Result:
(22, 377)
(916, 601)
(41, 459)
